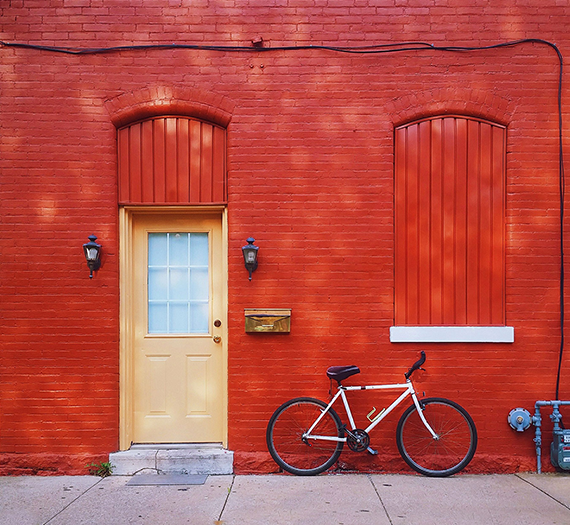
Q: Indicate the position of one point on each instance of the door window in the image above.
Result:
(178, 283)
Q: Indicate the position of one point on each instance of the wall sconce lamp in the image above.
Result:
(250, 256)
(92, 252)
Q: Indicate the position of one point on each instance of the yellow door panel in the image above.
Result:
(178, 291)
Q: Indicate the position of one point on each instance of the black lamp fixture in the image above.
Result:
(92, 252)
(250, 256)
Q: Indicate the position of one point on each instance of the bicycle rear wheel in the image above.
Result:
(285, 430)
(451, 451)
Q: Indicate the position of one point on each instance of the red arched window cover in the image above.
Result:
(172, 160)
(449, 222)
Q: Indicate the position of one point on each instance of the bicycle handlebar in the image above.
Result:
(417, 365)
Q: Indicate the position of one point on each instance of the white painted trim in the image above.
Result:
(452, 334)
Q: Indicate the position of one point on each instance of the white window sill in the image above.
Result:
(452, 334)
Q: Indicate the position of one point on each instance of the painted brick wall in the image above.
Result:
(310, 176)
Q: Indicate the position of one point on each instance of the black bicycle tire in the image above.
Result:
(296, 469)
(414, 462)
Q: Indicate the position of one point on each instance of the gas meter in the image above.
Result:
(560, 449)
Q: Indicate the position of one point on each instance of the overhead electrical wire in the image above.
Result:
(365, 50)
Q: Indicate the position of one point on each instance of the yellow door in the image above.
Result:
(178, 329)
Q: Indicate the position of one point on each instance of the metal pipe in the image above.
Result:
(537, 421)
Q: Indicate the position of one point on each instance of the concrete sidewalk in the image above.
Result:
(348, 499)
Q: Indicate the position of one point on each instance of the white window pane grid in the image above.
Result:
(178, 283)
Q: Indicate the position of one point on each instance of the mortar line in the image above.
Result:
(381, 502)
(73, 501)
(544, 492)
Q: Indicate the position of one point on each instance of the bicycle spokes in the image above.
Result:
(454, 446)
(292, 448)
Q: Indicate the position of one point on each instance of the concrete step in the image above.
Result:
(202, 458)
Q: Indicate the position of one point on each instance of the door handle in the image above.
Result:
(217, 339)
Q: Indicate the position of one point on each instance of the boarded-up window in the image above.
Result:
(172, 160)
(449, 222)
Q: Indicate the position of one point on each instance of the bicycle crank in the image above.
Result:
(358, 440)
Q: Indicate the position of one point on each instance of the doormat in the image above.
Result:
(167, 479)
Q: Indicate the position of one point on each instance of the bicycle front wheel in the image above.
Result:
(288, 446)
(454, 446)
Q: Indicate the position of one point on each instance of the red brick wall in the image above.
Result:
(310, 176)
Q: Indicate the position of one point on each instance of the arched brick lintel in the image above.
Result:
(131, 107)
(450, 101)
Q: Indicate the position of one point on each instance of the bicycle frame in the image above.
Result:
(435, 436)
(408, 390)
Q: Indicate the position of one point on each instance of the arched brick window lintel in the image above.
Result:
(447, 101)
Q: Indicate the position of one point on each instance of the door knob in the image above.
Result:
(217, 339)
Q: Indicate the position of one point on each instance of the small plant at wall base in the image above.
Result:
(103, 469)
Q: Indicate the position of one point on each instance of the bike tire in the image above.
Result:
(441, 457)
(284, 437)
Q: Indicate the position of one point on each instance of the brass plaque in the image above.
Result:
(268, 320)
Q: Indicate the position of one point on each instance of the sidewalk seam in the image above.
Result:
(227, 499)
(381, 502)
(73, 501)
(544, 492)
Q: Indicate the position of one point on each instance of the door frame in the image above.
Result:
(126, 335)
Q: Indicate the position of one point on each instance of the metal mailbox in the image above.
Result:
(268, 320)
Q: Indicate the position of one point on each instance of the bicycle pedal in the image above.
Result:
(372, 451)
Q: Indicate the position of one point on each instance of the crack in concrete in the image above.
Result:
(219, 520)
(72, 502)
(544, 492)
(380, 499)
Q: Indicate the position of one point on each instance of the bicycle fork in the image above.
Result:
(420, 409)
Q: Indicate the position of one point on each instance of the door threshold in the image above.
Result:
(174, 446)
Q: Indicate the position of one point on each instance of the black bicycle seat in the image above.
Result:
(338, 373)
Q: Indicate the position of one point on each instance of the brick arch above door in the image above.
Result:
(171, 145)
(157, 101)
(172, 160)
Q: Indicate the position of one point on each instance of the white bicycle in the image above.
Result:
(435, 436)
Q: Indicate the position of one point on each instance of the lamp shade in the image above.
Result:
(250, 256)
(92, 252)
